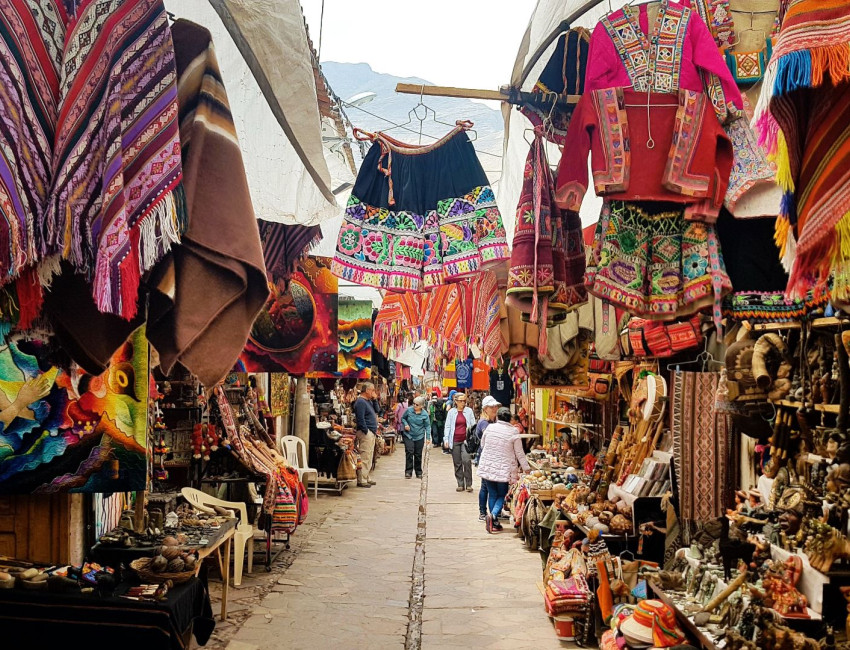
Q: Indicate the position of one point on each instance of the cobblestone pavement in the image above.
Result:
(350, 580)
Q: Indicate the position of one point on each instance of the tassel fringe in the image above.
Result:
(116, 282)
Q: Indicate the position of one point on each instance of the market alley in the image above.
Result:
(349, 585)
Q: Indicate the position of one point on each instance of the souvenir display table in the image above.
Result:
(218, 541)
(115, 621)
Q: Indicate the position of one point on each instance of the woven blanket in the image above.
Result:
(91, 165)
(806, 134)
(285, 244)
(702, 447)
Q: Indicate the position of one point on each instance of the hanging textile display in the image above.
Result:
(452, 318)
(802, 117)
(355, 338)
(651, 262)
(562, 76)
(419, 216)
(284, 245)
(296, 332)
(205, 294)
(702, 446)
(65, 431)
(99, 184)
(547, 257)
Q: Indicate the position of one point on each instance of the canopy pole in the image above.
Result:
(504, 94)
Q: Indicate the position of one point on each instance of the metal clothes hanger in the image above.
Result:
(751, 14)
(425, 110)
(705, 357)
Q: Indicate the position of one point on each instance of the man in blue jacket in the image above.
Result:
(366, 421)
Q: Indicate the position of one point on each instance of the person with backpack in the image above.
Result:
(489, 408)
(501, 455)
(438, 420)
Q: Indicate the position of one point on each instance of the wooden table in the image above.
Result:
(222, 540)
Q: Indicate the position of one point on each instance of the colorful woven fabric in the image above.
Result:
(419, 217)
(547, 257)
(702, 442)
(802, 118)
(651, 262)
(91, 164)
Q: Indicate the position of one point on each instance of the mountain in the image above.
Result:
(349, 79)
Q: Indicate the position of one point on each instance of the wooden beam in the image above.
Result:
(476, 93)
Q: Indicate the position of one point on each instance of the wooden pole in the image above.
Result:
(140, 511)
(503, 95)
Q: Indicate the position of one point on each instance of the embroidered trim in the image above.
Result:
(686, 130)
(610, 108)
(654, 63)
(748, 68)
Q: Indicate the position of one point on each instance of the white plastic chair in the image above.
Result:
(295, 452)
(244, 529)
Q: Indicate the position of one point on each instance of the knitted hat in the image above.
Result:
(654, 623)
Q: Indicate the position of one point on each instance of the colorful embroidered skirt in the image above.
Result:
(419, 217)
(648, 260)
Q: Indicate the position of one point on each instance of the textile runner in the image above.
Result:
(92, 172)
(702, 447)
(803, 121)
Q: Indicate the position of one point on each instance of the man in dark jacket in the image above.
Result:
(366, 422)
(438, 421)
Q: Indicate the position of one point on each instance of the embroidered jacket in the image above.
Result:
(681, 155)
(677, 52)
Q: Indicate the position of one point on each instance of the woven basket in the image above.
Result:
(140, 566)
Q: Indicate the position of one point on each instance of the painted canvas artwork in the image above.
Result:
(355, 338)
(297, 330)
(67, 431)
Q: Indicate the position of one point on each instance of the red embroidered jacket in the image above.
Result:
(677, 151)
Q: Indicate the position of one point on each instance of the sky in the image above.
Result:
(465, 43)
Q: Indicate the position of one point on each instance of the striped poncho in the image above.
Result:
(89, 147)
(803, 120)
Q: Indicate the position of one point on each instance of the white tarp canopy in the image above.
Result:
(413, 357)
(266, 66)
(549, 19)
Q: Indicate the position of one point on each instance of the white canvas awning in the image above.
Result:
(267, 68)
(550, 18)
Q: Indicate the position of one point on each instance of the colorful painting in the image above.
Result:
(355, 338)
(67, 431)
(297, 330)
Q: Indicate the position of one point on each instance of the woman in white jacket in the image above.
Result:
(459, 421)
(501, 455)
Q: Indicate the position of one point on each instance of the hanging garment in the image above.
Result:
(209, 289)
(679, 154)
(547, 257)
(752, 262)
(624, 52)
(284, 245)
(91, 167)
(651, 262)
(676, 53)
(562, 76)
(702, 447)
(802, 117)
(419, 216)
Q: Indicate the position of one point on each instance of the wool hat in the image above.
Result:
(652, 623)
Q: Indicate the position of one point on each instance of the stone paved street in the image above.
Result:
(346, 582)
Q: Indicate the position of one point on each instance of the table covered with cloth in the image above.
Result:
(30, 619)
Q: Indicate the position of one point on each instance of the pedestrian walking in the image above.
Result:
(489, 408)
(416, 425)
(366, 421)
(459, 420)
(501, 456)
